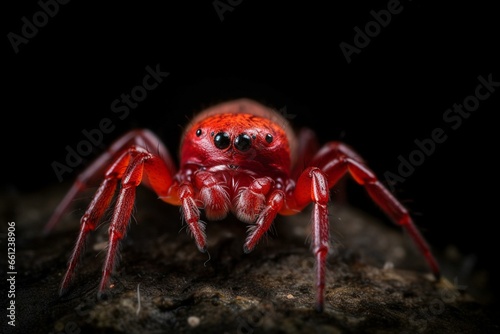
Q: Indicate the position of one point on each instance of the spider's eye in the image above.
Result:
(269, 138)
(198, 132)
(243, 142)
(222, 140)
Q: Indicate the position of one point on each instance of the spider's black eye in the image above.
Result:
(222, 140)
(198, 132)
(269, 138)
(243, 142)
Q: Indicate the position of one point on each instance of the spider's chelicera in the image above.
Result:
(238, 157)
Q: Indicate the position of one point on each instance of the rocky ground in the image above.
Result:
(377, 283)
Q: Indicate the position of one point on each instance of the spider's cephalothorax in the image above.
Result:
(234, 157)
(238, 157)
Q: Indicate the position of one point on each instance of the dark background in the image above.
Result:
(394, 91)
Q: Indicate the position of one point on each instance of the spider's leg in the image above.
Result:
(139, 137)
(326, 169)
(265, 218)
(129, 167)
(93, 214)
(312, 186)
(191, 214)
(336, 159)
(142, 163)
(250, 200)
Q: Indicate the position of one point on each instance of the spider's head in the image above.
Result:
(238, 134)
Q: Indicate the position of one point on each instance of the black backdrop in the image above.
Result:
(396, 89)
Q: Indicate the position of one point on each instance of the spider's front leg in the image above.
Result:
(312, 185)
(131, 166)
(141, 162)
(191, 214)
(139, 137)
(331, 163)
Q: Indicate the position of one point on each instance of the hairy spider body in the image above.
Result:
(237, 157)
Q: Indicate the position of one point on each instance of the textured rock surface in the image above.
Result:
(377, 282)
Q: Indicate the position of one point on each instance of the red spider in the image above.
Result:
(239, 157)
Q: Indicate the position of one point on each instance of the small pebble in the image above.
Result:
(388, 265)
(193, 321)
